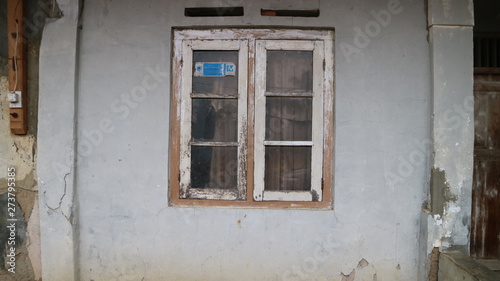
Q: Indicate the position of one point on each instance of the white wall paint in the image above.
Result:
(127, 231)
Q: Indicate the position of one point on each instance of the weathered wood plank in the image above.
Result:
(485, 226)
(17, 65)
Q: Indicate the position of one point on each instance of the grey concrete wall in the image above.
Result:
(110, 209)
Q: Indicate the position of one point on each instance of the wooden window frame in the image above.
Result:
(185, 130)
(317, 47)
(250, 116)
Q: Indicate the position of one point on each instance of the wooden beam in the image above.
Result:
(17, 65)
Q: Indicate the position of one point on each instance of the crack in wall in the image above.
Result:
(60, 203)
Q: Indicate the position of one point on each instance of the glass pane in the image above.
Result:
(213, 167)
(224, 86)
(287, 168)
(214, 120)
(288, 119)
(289, 71)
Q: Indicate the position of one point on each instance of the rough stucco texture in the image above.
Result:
(18, 152)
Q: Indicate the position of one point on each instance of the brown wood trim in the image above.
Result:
(486, 70)
(324, 205)
(17, 65)
(487, 153)
(290, 13)
(174, 157)
(487, 90)
(251, 119)
(175, 121)
(329, 128)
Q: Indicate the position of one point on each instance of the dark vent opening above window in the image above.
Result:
(214, 12)
(290, 13)
(487, 50)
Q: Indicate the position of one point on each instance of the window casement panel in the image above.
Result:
(289, 123)
(213, 122)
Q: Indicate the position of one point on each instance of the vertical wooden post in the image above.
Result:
(17, 65)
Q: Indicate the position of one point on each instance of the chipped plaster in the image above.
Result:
(19, 152)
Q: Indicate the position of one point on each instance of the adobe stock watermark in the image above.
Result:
(372, 29)
(453, 119)
(121, 107)
(324, 250)
(11, 222)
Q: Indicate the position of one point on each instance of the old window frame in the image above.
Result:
(185, 130)
(185, 40)
(261, 94)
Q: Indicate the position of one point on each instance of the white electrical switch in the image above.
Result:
(15, 99)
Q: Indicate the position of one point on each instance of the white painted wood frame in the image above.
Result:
(188, 46)
(260, 193)
(252, 44)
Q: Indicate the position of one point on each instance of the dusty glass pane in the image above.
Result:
(289, 71)
(288, 119)
(287, 168)
(224, 86)
(213, 167)
(214, 120)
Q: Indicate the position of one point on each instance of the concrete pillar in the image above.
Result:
(57, 144)
(451, 43)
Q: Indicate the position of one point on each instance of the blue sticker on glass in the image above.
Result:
(230, 69)
(214, 69)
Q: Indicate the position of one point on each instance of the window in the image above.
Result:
(252, 118)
